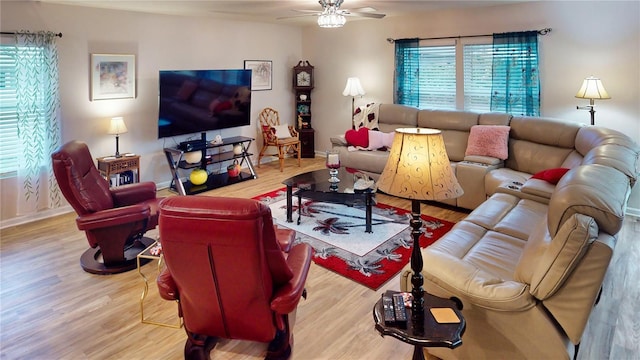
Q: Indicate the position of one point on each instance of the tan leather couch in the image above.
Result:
(528, 262)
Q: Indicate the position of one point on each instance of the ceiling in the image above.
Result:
(272, 10)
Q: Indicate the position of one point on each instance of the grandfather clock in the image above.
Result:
(302, 86)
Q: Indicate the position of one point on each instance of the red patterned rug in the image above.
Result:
(336, 233)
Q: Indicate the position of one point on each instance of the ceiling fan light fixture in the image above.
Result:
(331, 18)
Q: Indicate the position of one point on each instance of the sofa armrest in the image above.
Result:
(285, 238)
(133, 193)
(339, 140)
(286, 298)
(114, 217)
(484, 160)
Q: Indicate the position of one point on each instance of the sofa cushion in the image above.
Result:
(488, 140)
(282, 131)
(358, 137)
(478, 264)
(551, 176)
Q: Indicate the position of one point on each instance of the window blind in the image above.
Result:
(478, 60)
(437, 77)
(8, 114)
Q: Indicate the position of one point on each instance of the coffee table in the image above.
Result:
(315, 185)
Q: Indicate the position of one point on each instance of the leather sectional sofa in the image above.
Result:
(529, 261)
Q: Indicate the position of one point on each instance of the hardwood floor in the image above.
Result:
(51, 309)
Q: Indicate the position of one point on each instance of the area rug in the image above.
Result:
(337, 234)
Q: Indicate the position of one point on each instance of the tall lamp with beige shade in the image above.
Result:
(353, 89)
(592, 89)
(418, 169)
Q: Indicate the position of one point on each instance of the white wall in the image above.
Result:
(600, 38)
(159, 43)
(588, 38)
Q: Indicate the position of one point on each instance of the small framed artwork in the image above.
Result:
(113, 76)
(260, 74)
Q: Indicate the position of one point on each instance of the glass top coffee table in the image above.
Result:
(315, 185)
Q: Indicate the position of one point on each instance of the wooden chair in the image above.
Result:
(269, 124)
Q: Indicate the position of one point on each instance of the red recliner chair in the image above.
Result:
(114, 219)
(233, 275)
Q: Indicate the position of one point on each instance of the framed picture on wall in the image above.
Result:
(260, 74)
(113, 76)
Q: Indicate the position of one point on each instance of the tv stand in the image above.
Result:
(214, 155)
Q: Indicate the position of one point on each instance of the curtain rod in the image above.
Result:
(544, 31)
(13, 33)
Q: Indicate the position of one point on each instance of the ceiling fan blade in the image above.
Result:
(363, 14)
(297, 16)
(306, 11)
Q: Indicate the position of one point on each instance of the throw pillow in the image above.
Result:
(282, 131)
(185, 91)
(358, 137)
(489, 140)
(551, 176)
(380, 140)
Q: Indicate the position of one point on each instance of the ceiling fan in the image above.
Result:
(332, 16)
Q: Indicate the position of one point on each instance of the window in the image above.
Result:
(470, 74)
(8, 112)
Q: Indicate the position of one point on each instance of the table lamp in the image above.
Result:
(591, 89)
(418, 169)
(116, 128)
(353, 89)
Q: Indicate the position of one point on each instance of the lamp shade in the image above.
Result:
(418, 167)
(331, 19)
(117, 126)
(353, 87)
(592, 89)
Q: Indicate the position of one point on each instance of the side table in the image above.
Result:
(142, 258)
(109, 165)
(435, 334)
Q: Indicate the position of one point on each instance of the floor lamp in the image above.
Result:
(418, 169)
(592, 89)
(353, 89)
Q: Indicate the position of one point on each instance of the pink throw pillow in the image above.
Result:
(358, 137)
(552, 176)
(380, 140)
(489, 140)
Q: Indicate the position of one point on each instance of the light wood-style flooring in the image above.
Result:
(51, 309)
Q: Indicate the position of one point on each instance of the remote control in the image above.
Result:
(389, 314)
(400, 310)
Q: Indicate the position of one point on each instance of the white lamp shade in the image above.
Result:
(592, 89)
(117, 126)
(331, 19)
(418, 167)
(353, 87)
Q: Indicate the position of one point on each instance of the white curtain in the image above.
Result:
(38, 108)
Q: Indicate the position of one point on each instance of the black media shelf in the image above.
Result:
(214, 154)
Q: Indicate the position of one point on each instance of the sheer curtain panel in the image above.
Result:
(38, 120)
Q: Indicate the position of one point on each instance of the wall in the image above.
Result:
(159, 42)
(587, 38)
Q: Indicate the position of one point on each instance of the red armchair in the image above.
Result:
(114, 219)
(229, 273)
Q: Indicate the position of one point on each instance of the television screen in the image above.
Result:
(194, 101)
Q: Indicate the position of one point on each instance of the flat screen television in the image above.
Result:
(193, 101)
